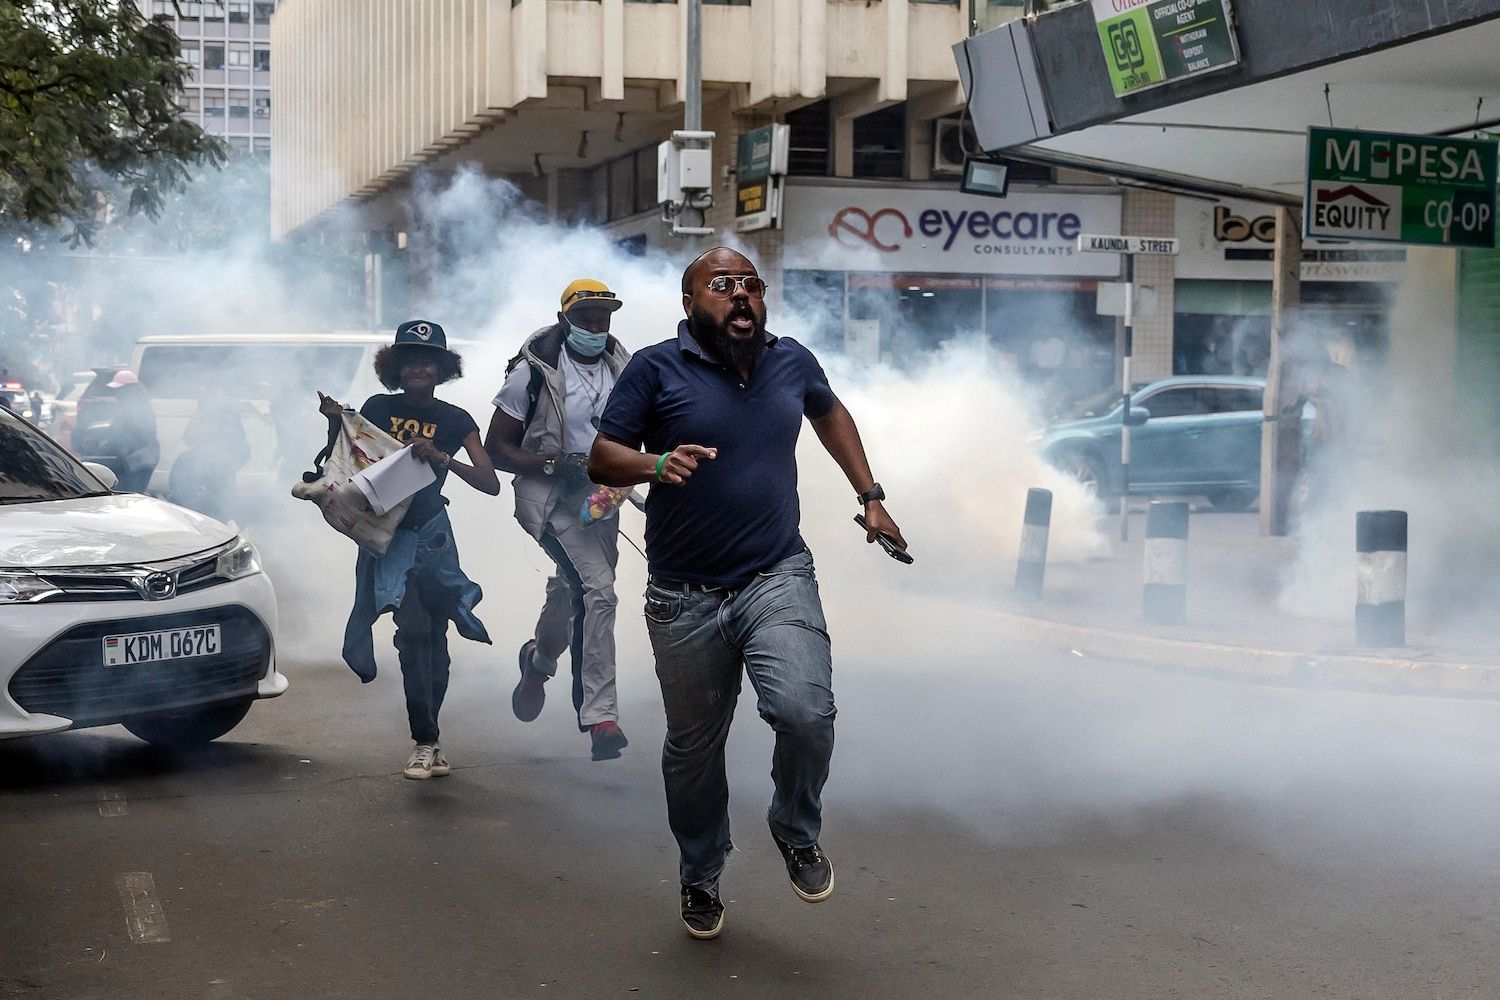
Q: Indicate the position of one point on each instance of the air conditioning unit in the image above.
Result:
(950, 137)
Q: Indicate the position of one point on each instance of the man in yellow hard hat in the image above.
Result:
(546, 415)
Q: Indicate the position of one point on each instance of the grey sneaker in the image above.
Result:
(419, 764)
(702, 911)
(440, 768)
(808, 868)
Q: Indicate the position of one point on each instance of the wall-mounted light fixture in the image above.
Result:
(583, 144)
(536, 165)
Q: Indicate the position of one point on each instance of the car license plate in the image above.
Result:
(168, 644)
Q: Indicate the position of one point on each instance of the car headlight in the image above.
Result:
(237, 561)
(20, 587)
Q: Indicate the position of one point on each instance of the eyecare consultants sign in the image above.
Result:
(1151, 42)
(937, 230)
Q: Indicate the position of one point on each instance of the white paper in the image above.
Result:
(393, 479)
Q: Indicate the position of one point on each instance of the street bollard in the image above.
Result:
(1166, 562)
(1032, 563)
(1380, 608)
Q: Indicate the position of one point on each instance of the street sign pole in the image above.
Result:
(1129, 349)
(1129, 247)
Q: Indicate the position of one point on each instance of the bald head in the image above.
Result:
(732, 260)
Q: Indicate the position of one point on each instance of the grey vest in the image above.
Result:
(544, 433)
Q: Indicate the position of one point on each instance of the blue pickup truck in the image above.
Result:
(1195, 435)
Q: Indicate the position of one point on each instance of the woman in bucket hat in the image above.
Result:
(419, 579)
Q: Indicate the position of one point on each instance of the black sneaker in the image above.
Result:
(809, 869)
(527, 699)
(702, 911)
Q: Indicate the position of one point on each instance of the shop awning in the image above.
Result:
(1038, 89)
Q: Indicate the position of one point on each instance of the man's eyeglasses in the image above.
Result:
(724, 285)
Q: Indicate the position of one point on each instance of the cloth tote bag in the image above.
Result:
(354, 444)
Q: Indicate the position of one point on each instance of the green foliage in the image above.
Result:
(88, 105)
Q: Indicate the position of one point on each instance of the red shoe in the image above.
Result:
(530, 694)
(608, 739)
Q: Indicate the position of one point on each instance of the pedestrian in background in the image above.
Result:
(419, 579)
(131, 447)
(731, 586)
(546, 415)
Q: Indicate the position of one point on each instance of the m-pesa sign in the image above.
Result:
(1392, 188)
(941, 230)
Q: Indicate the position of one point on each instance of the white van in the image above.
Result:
(266, 384)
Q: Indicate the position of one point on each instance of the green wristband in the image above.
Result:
(660, 464)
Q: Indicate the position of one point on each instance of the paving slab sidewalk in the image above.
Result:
(1236, 624)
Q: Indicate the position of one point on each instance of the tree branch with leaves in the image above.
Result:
(88, 105)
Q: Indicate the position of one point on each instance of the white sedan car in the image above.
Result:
(121, 608)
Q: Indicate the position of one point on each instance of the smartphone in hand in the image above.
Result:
(891, 548)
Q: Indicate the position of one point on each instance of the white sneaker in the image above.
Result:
(440, 768)
(419, 766)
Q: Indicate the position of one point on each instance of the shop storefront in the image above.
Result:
(900, 271)
(1222, 293)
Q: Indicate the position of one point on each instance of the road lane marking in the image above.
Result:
(144, 917)
(112, 802)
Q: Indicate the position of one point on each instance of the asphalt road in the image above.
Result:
(1011, 822)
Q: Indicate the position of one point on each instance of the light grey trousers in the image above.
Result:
(582, 588)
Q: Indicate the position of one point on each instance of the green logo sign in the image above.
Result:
(1151, 42)
(1391, 188)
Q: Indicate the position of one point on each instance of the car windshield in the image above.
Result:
(33, 468)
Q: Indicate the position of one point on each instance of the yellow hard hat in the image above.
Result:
(590, 291)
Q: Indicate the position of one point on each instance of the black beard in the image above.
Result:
(716, 339)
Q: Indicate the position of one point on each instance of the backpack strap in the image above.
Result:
(533, 385)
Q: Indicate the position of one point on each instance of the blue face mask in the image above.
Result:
(586, 342)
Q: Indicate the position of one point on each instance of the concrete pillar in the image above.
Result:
(1281, 432)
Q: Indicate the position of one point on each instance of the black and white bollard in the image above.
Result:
(1031, 565)
(1166, 562)
(1380, 608)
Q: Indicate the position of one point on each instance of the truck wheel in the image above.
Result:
(1234, 500)
(188, 728)
(1082, 467)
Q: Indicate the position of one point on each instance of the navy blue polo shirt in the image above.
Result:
(738, 514)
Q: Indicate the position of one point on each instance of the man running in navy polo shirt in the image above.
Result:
(718, 410)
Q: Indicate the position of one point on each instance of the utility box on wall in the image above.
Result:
(684, 181)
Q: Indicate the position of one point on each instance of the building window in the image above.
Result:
(192, 102)
(261, 147)
(262, 60)
(810, 142)
(239, 55)
(191, 9)
(880, 143)
(239, 11)
(213, 55)
(263, 12)
(213, 11)
(213, 104)
(189, 53)
(163, 8)
(239, 104)
(262, 105)
(645, 179)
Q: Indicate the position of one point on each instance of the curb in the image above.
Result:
(1365, 671)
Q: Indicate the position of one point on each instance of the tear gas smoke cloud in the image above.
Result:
(942, 711)
(1396, 441)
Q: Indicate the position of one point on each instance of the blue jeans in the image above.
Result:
(773, 628)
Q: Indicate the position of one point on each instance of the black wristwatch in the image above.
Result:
(873, 493)
(549, 466)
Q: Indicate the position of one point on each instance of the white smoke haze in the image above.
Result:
(1402, 445)
(941, 710)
